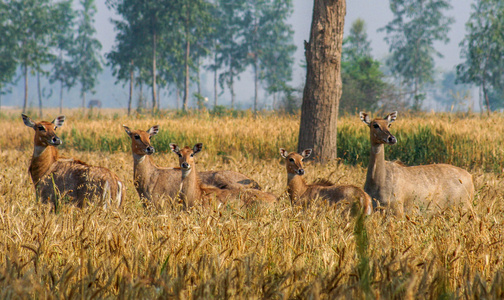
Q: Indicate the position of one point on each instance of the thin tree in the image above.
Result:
(8, 48)
(62, 70)
(417, 24)
(482, 49)
(85, 53)
(34, 23)
(322, 92)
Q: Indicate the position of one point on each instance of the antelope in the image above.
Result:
(301, 193)
(57, 177)
(397, 186)
(153, 182)
(193, 190)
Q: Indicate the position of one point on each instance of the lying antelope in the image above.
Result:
(397, 186)
(192, 190)
(58, 177)
(301, 193)
(153, 182)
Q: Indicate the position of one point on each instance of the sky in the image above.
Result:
(375, 13)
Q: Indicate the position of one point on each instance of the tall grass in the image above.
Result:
(466, 141)
(245, 252)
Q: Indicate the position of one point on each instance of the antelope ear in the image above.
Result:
(197, 148)
(58, 122)
(283, 153)
(365, 118)
(153, 130)
(128, 131)
(306, 153)
(28, 122)
(174, 148)
(391, 117)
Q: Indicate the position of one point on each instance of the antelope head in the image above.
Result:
(140, 140)
(45, 134)
(379, 128)
(294, 161)
(186, 156)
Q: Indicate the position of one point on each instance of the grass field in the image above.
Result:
(254, 252)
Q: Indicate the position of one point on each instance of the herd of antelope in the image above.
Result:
(389, 185)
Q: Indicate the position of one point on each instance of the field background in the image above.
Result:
(255, 252)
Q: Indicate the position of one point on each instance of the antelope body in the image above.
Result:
(399, 186)
(61, 177)
(301, 193)
(192, 190)
(153, 182)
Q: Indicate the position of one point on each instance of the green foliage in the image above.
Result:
(268, 41)
(454, 96)
(32, 24)
(363, 85)
(482, 50)
(8, 49)
(411, 36)
(363, 82)
(85, 52)
(356, 45)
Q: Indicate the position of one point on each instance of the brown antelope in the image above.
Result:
(398, 186)
(57, 177)
(153, 182)
(192, 190)
(301, 193)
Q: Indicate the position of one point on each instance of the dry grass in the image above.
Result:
(235, 252)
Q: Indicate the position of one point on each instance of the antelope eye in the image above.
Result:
(41, 128)
(291, 159)
(179, 155)
(137, 137)
(376, 126)
(192, 154)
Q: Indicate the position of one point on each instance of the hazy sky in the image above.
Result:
(375, 13)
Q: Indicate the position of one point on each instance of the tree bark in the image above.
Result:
(322, 92)
(39, 94)
(61, 96)
(25, 71)
(186, 80)
(231, 83)
(130, 99)
(215, 80)
(256, 81)
(154, 96)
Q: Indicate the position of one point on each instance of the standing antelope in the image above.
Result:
(153, 182)
(59, 177)
(397, 186)
(192, 189)
(301, 193)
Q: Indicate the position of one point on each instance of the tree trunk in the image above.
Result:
(215, 80)
(231, 83)
(25, 71)
(130, 89)
(84, 101)
(177, 92)
(256, 80)
(61, 96)
(154, 96)
(186, 80)
(322, 92)
(140, 99)
(39, 95)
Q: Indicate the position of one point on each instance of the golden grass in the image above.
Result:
(235, 252)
